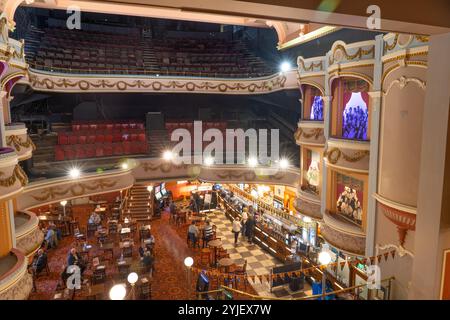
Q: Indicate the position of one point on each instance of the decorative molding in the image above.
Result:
(335, 57)
(75, 190)
(17, 143)
(401, 251)
(97, 84)
(307, 208)
(164, 167)
(315, 133)
(352, 244)
(17, 175)
(404, 81)
(334, 154)
(313, 65)
(404, 221)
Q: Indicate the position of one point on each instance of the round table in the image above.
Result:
(215, 244)
(226, 263)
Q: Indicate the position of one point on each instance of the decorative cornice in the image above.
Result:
(65, 83)
(404, 81)
(17, 175)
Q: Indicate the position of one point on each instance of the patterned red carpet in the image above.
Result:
(169, 278)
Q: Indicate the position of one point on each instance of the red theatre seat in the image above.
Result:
(100, 138)
(117, 137)
(108, 150)
(126, 147)
(118, 149)
(59, 153)
(69, 153)
(80, 153)
(73, 139)
(141, 137)
(90, 151)
(108, 138)
(62, 138)
(82, 139)
(91, 139)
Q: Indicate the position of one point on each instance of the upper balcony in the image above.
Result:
(350, 155)
(342, 234)
(12, 177)
(311, 67)
(395, 43)
(18, 139)
(15, 281)
(28, 235)
(310, 132)
(354, 59)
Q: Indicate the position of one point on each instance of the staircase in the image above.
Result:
(45, 148)
(139, 204)
(150, 62)
(159, 141)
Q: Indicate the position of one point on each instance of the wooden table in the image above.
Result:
(215, 244)
(94, 291)
(107, 247)
(226, 263)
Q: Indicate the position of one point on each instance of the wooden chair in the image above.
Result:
(205, 257)
(241, 273)
(127, 251)
(99, 275)
(124, 271)
(144, 289)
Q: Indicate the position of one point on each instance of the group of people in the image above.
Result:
(354, 125)
(194, 233)
(246, 226)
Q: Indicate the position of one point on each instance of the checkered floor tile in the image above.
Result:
(259, 261)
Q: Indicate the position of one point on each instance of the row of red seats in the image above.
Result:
(99, 150)
(106, 126)
(71, 139)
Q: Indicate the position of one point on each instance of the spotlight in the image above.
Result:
(124, 166)
(209, 161)
(254, 194)
(285, 66)
(307, 219)
(118, 292)
(188, 262)
(252, 162)
(168, 155)
(74, 173)
(63, 203)
(150, 188)
(284, 163)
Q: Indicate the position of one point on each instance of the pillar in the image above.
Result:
(432, 233)
(6, 236)
(375, 115)
(3, 108)
(326, 131)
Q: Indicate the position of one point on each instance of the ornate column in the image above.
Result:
(375, 97)
(6, 236)
(2, 120)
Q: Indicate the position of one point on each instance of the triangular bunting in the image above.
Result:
(386, 256)
(393, 254)
(379, 258)
(372, 260)
(342, 265)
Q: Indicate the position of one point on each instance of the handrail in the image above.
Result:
(142, 71)
(256, 297)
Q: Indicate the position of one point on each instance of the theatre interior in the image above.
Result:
(95, 203)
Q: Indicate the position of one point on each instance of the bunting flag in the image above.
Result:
(261, 279)
(253, 278)
(393, 254)
(342, 265)
(379, 258)
(372, 260)
(386, 256)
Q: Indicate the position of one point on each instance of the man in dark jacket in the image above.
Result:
(250, 228)
(39, 262)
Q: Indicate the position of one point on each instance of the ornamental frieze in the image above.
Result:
(75, 190)
(38, 81)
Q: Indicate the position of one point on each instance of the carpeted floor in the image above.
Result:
(169, 280)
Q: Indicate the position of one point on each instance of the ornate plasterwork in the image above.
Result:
(17, 175)
(164, 167)
(308, 208)
(313, 66)
(19, 290)
(350, 243)
(99, 84)
(340, 54)
(333, 155)
(315, 133)
(404, 221)
(75, 190)
(404, 81)
(17, 143)
(401, 250)
(31, 241)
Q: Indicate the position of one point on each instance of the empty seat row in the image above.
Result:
(72, 139)
(99, 150)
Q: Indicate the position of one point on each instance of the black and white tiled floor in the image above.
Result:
(259, 262)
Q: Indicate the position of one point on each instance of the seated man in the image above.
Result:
(74, 259)
(95, 218)
(39, 262)
(193, 234)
